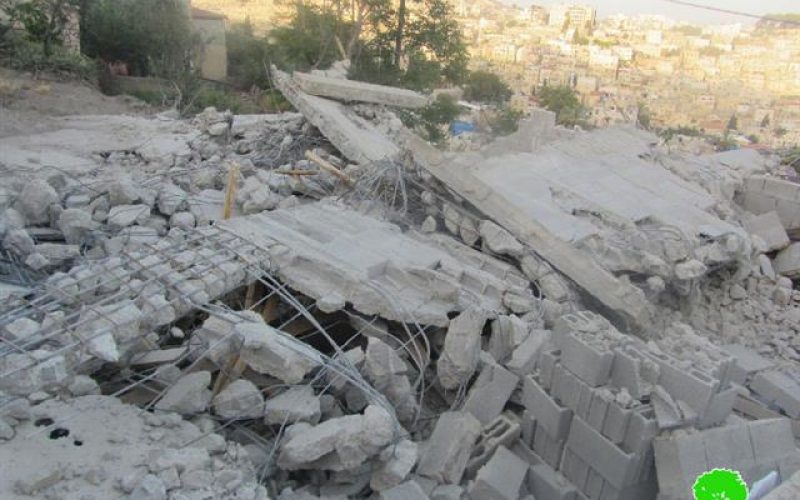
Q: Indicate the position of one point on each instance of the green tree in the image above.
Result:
(438, 33)
(44, 20)
(153, 36)
(563, 101)
(486, 87)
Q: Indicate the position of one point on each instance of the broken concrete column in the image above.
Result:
(189, 395)
(240, 400)
(449, 447)
(462, 346)
(267, 351)
(352, 90)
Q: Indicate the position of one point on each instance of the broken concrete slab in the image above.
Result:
(355, 91)
(449, 447)
(356, 138)
(326, 249)
(624, 299)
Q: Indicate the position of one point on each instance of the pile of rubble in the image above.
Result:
(321, 305)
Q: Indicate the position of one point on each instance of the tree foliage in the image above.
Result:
(487, 88)
(563, 101)
(154, 37)
(44, 20)
(434, 52)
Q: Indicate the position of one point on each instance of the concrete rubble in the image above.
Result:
(315, 305)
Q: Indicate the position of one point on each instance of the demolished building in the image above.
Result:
(321, 305)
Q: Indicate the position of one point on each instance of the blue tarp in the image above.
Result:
(458, 127)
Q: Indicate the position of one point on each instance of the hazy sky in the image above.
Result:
(680, 12)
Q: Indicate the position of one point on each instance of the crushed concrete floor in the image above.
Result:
(321, 305)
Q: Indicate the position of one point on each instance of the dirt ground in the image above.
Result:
(27, 104)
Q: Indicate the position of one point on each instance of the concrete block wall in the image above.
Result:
(579, 422)
(766, 194)
(752, 448)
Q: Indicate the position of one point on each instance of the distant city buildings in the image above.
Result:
(686, 76)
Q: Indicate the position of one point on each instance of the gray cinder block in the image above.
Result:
(449, 447)
(590, 363)
(548, 414)
(601, 455)
(490, 392)
(501, 478)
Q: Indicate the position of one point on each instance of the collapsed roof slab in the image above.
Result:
(337, 256)
(602, 172)
(352, 90)
(356, 138)
(623, 299)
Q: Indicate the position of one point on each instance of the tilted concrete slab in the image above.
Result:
(336, 256)
(352, 90)
(356, 138)
(623, 299)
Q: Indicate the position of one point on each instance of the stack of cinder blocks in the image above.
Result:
(587, 410)
(752, 448)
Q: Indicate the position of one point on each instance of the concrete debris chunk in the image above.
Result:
(508, 332)
(787, 262)
(35, 200)
(339, 442)
(126, 215)
(462, 347)
(498, 240)
(445, 456)
(76, 224)
(189, 395)
(410, 490)
(768, 227)
(239, 400)
(267, 351)
(396, 462)
(297, 404)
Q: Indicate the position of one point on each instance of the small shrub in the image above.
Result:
(25, 55)
(505, 121)
(487, 88)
